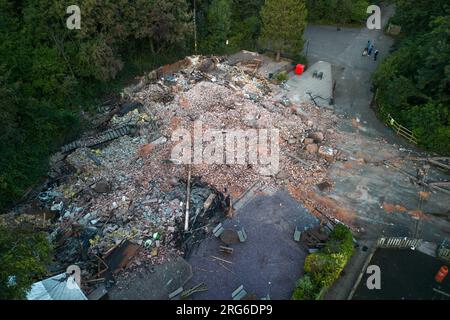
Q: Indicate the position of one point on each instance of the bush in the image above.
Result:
(413, 82)
(299, 59)
(282, 76)
(24, 255)
(305, 289)
(341, 241)
(323, 268)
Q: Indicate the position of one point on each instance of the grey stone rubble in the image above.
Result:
(119, 187)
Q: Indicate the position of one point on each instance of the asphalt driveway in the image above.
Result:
(268, 263)
(351, 71)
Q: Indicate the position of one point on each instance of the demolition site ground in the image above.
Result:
(115, 202)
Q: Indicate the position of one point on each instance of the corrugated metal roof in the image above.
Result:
(56, 288)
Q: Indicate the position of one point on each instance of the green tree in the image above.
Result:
(323, 268)
(49, 74)
(284, 22)
(415, 17)
(24, 255)
(337, 11)
(245, 24)
(219, 25)
(414, 82)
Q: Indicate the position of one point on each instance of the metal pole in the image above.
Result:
(307, 47)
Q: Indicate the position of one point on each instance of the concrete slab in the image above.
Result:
(311, 88)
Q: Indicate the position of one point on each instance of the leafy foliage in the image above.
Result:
(219, 24)
(337, 11)
(24, 255)
(305, 289)
(246, 24)
(49, 74)
(413, 82)
(282, 76)
(324, 267)
(237, 21)
(415, 17)
(284, 22)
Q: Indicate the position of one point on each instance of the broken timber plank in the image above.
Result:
(244, 194)
(435, 161)
(218, 230)
(209, 201)
(439, 164)
(220, 259)
(226, 249)
(416, 180)
(440, 184)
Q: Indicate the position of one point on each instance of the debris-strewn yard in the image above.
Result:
(118, 188)
(116, 199)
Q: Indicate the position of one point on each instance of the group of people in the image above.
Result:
(369, 49)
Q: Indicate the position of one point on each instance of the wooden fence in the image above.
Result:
(402, 131)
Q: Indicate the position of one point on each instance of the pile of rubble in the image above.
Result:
(125, 187)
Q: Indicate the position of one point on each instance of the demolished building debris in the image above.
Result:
(118, 199)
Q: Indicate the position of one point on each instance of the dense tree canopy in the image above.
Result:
(415, 16)
(49, 73)
(337, 11)
(414, 82)
(219, 24)
(237, 21)
(284, 22)
(24, 255)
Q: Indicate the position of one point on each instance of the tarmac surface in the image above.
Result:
(363, 188)
(268, 263)
(405, 275)
(154, 283)
(352, 72)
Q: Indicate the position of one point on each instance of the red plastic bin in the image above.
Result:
(299, 68)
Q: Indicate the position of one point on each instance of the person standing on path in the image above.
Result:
(370, 50)
(375, 55)
(368, 45)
